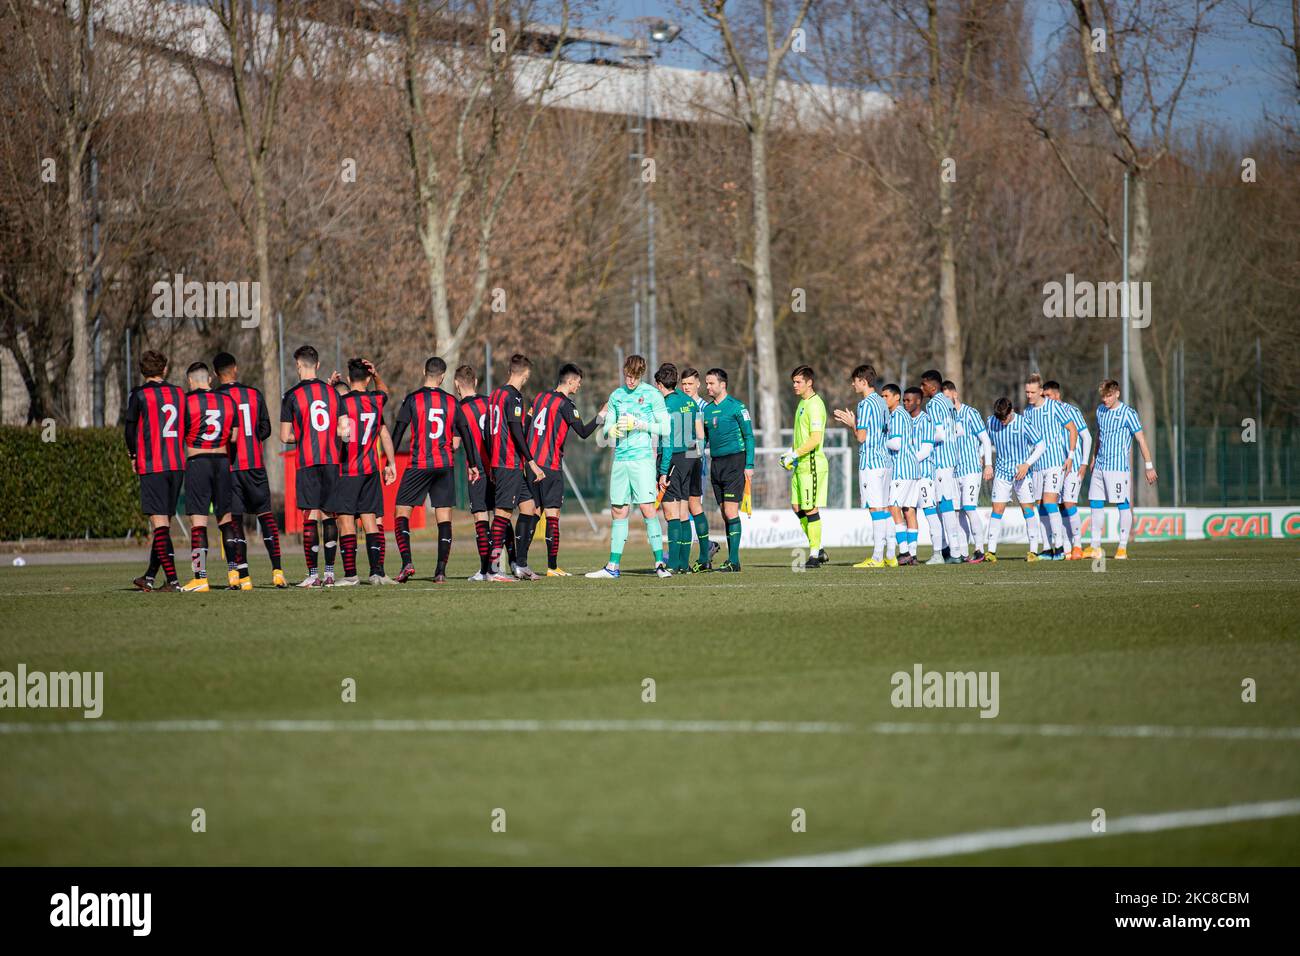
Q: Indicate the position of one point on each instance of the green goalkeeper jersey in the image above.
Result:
(646, 406)
(810, 417)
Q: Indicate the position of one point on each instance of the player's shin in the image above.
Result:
(552, 541)
(374, 553)
(1074, 525)
(483, 539)
(310, 543)
(444, 546)
(936, 529)
(900, 535)
(348, 545)
(402, 534)
(1033, 530)
(973, 525)
(229, 546)
(1125, 523)
(702, 533)
(881, 535)
(617, 539)
(165, 552)
(814, 529)
(954, 538)
(501, 535)
(199, 550)
(1097, 521)
(733, 541)
(656, 537)
(270, 537)
(330, 529)
(995, 531)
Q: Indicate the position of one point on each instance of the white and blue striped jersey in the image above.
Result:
(1115, 430)
(939, 410)
(1075, 414)
(968, 445)
(1010, 445)
(904, 460)
(922, 435)
(1046, 423)
(872, 414)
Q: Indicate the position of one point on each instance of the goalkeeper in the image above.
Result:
(808, 462)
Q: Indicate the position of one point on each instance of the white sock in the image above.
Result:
(1097, 519)
(900, 535)
(1075, 524)
(936, 531)
(956, 540)
(1033, 529)
(1125, 525)
(1058, 529)
(881, 534)
(995, 529)
(972, 522)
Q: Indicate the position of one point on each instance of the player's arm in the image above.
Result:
(1085, 440)
(570, 415)
(263, 421)
(389, 453)
(986, 449)
(940, 431)
(519, 439)
(924, 450)
(611, 421)
(467, 442)
(1073, 431)
(403, 422)
(374, 374)
(1035, 453)
(1149, 463)
(130, 420)
(747, 430)
(286, 420)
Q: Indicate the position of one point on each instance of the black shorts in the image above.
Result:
(695, 477)
(679, 477)
(357, 495)
(549, 492)
(159, 491)
(207, 484)
(480, 494)
(437, 484)
(313, 487)
(728, 477)
(509, 488)
(250, 492)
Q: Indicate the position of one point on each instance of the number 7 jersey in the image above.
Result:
(361, 451)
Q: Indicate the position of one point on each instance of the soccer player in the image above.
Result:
(905, 471)
(922, 449)
(974, 467)
(1073, 481)
(209, 427)
(510, 456)
(690, 384)
(730, 434)
(1011, 449)
(811, 475)
(638, 421)
(1117, 426)
(1047, 422)
(939, 410)
(437, 429)
(869, 425)
(357, 492)
(679, 458)
(309, 415)
(474, 411)
(250, 492)
(152, 427)
(550, 419)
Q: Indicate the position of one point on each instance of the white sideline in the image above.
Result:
(977, 842)
(972, 728)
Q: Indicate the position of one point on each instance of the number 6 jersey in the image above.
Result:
(312, 407)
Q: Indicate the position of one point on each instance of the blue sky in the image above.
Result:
(1237, 69)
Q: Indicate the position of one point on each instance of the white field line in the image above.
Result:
(979, 728)
(980, 841)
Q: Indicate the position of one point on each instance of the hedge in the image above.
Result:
(81, 484)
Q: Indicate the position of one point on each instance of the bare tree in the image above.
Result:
(759, 101)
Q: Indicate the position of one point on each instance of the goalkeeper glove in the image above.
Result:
(788, 460)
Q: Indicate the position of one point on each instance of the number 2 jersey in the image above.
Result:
(312, 407)
(153, 428)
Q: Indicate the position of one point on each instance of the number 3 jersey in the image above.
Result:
(209, 419)
(430, 413)
(312, 407)
(361, 451)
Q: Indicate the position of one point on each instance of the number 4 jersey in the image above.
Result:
(312, 407)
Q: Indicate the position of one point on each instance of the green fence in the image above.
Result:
(1218, 467)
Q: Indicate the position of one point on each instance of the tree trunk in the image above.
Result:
(445, 343)
(1147, 495)
(267, 332)
(769, 382)
(952, 350)
(79, 375)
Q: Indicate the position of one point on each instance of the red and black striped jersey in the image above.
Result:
(361, 451)
(252, 426)
(431, 415)
(475, 410)
(507, 423)
(209, 419)
(312, 407)
(549, 420)
(154, 424)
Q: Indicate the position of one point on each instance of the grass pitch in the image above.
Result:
(1162, 641)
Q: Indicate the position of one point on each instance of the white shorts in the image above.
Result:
(1071, 486)
(969, 488)
(1112, 486)
(902, 492)
(945, 484)
(873, 486)
(926, 494)
(1002, 488)
(1047, 481)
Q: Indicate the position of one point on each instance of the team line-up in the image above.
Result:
(921, 450)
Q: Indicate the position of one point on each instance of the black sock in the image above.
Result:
(483, 538)
(444, 546)
(228, 545)
(552, 543)
(524, 529)
(270, 538)
(155, 554)
(375, 552)
(331, 532)
(403, 538)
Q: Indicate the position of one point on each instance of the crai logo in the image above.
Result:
(1155, 526)
(1291, 525)
(958, 689)
(1253, 525)
(103, 909)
